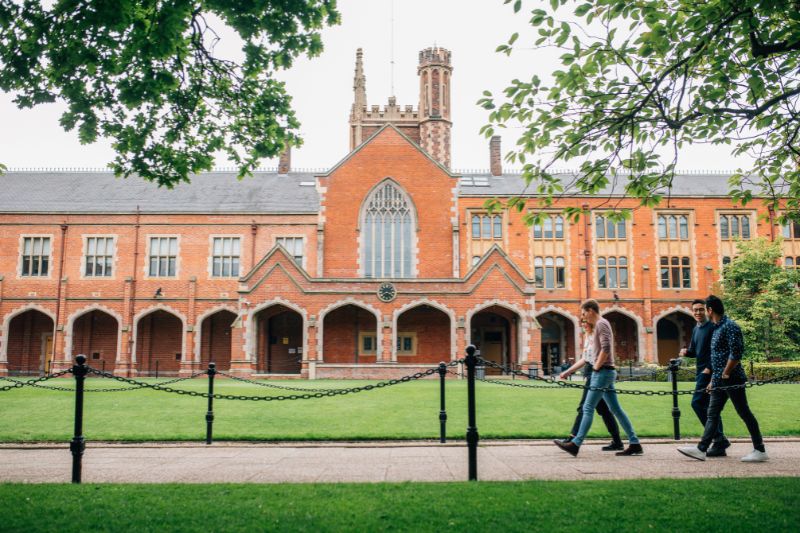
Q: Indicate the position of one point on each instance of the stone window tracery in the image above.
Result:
(387, 233)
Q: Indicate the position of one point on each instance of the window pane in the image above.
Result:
(726, 260)
(172, 268)
(623, 261)
(235, 266)
(623, 277)
(612, 261)
(407, 245)
(559, 228)
(108, 266)
(664, 277)
(787, 232)
(745, 227)
(610, 229)
(476, 226)
(91, 246)
(173, 246)
(684, 227)
(621, 229)
(397, 259)
(560, 276)
(487, 230)
(612, 278)
(162, 266)
(89, 267)
(163, 246)
(548, 228)
(37, 246)
(601, 261)
(368, 246)
(27, 245)
(407, 344)
(378, 255)
(673, 227)
(475, 259)
(226, 267)
(796, 232)
(734, 226)
(601, 277)
(498, 227)
(662, 227)
(548, 261)
(549, 277)
(153, 267)
(687, 277)
(216, 266)
(538, 276)
(537, 231)
(600, 228)
(676, 275)
(153, 246)
(723, 227)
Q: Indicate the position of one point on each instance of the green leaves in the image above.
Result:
(145, 75)
(639, 81)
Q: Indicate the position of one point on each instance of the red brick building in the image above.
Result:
(384, 264)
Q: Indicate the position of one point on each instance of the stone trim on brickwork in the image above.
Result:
(251, 341)
(576, 323)
(198, 327)
(341, 303)
(431, 303)
(523, 325)
(69, 333)
(7, 324)
(674, 309)
(146, 311)
(641, 345)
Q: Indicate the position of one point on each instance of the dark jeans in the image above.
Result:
(602, 410)
(738, 398)
(700, 401)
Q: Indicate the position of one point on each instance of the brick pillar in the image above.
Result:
(534, 348)
(461, 338)
(189, 364)
(3, 340)
(60, 358)
(386, 355)
(124, 363)
(240, 362)
(285, 161)
(309, 368)
(647, 352)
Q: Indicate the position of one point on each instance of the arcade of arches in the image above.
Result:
(349, 334)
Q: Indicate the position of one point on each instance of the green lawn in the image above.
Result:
(641, 505)
(405, 411)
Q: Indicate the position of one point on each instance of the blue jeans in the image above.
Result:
(605, 379)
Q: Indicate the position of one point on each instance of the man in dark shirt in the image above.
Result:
(700, 348)
(727, 348)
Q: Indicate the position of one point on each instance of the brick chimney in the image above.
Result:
(285, 162)
(495, 161)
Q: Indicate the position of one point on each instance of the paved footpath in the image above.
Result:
(236, 462)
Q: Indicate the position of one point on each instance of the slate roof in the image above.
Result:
(221, 192)
(101, 192)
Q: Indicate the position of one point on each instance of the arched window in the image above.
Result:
(387, 233)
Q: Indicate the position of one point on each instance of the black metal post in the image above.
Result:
(472, 430)
(752, 374)
(212, 370)
(676, 412)
(442, 411)
(104, 366)
(156, 368)
(78, 444)
(630, 368)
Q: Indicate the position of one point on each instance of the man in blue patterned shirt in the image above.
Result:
(727, 348)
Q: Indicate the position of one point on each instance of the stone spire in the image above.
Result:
(359, 86)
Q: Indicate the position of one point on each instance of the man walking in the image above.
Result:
(700, 348)
(603, 377)
(727, 347)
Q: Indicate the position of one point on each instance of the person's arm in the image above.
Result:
(580, 363)
(691, 351)
(735, 350)
(604, 333)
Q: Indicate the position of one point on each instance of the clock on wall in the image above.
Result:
(387, 292)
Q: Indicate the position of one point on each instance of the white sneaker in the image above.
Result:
(755, 457)
(694, 452)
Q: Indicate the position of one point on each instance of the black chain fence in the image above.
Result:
(790, 377)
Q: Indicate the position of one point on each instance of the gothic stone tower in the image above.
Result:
(434, 103)
(428, 125)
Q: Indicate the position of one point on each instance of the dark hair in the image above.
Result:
(698, 301)
(715, 304)
(591, 304)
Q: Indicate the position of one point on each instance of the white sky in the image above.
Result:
(322, 87)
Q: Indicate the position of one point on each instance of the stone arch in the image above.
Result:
(4, 333)
(523, 333)
(342, 303)
(575, 339)
(251, 337)
(69, 333)
(674, 310)
(641, 347)
(143, 313)
(430, 303)
(198, 325)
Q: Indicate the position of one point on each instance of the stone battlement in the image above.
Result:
(434, 56)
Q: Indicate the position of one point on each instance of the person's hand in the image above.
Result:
(706, 371)
(565, 374)
(597, 368)
(726, 376)
(682, 353)
(708, 388)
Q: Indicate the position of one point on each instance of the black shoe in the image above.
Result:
(613, 447)
(568, 447)
(718, 449)
(568, 439)
(633, 449)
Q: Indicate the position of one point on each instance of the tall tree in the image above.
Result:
(640, 80)
(144, 73)
(764, 299)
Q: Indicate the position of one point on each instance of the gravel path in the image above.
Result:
(375, 462)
